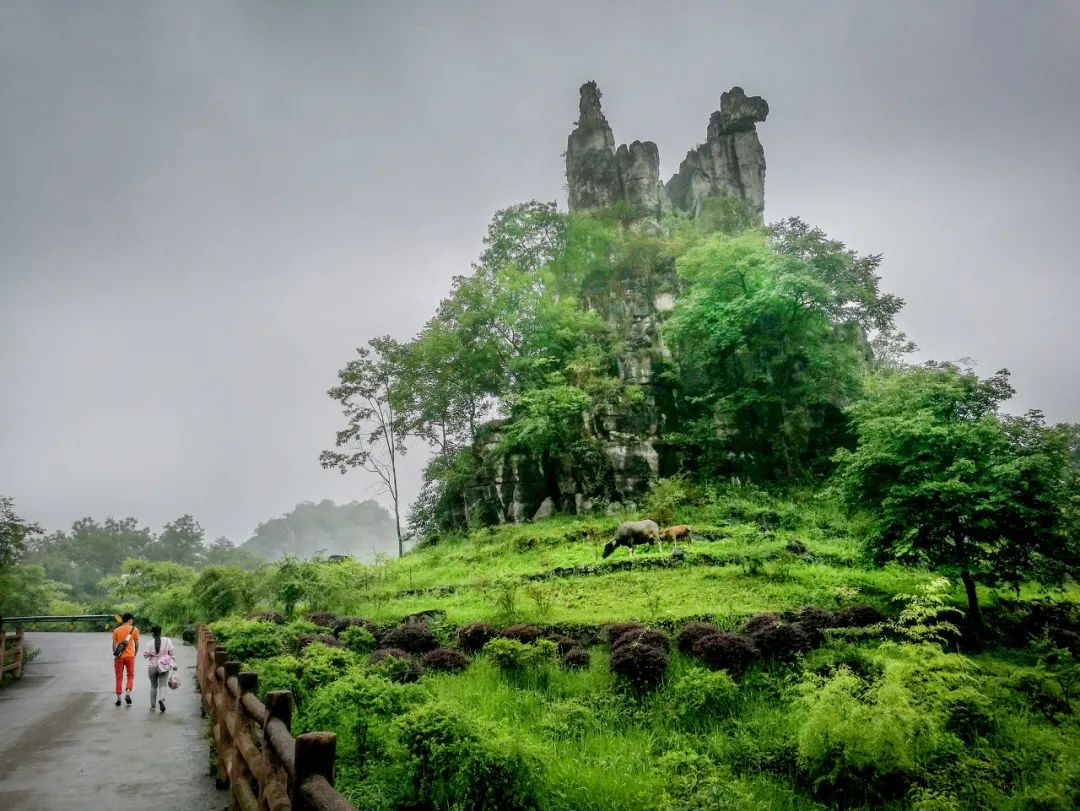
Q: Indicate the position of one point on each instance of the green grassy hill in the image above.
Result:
(880, 716)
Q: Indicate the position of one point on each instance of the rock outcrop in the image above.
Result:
(731, 162)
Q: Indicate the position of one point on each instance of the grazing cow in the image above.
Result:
(674, 534)
(634, 533)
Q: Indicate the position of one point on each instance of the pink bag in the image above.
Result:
(174, 682)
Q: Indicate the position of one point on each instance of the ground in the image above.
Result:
(64, 745)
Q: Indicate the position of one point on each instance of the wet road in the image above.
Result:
(64, 745)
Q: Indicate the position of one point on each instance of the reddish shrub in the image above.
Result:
(692, 632)
(724, 651)
(858, 616)
(472, 637)
(396, 665)
(356, 622)
(526, 634)
(379, 656)
(815, 620)
(413, 637)
(445, 660)
(327, 619)
(306, 639)
(781, 641)
(641, 665)
(267, 616)
(576, 657)
(644, 636)
(564, 643)
(609, 633)
(760, 621)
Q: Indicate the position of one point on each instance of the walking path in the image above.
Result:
(64, 745)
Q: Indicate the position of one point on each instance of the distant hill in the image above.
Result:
(360, 529)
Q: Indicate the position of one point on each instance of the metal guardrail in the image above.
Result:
(271, 771)
(56, 618)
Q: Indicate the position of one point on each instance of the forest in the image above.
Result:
(876, 607)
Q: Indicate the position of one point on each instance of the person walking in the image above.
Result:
(162, 656)
(125, 643)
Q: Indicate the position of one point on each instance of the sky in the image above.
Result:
(205, 206)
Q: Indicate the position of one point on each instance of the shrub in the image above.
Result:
(356, 622)
(858, 616)
(1042, 691)
(522, 633)
(323, 639)
(781, 641)
(278, 673)
(455, 764)
(248, 639)
(815, 620)
(759, 622)
(414, 637)
(511, 655)
(643, 666)
(609, 633)
(395, 665)
(324, 619)
(563, 643)
(644, 636)
(969, 714)
(472, 637)
(568, 720)
(267, 616)
(322, 664)
(690, 633)
(576, 658)
(796, 547)
(444, 660)
(701, 696)
(357, 639)
(724, 651)
(291, 632)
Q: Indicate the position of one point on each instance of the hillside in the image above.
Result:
(898, 709)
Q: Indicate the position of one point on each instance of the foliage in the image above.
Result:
(690, 633)
(25, 591)
(642, 665)
(784, 640)
(413, 637)
(357, 639)
(950, 483)
(522, 633)
(700, 698)
(396, 665)
(724, 651)
(219, 591)
(513, 655)
(361, 529)
(248, 639)
(13, 533)
(278, 673)
(472, 637)
(665, 498)
(324, 619)
(643, 636)
(576, 657)
(445, 660)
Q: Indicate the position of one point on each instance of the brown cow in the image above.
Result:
(676, 533)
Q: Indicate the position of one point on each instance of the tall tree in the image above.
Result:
(948, 482)
(14, 532)
(376, 429)
(180, 541)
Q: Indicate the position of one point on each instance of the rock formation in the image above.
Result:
(731, 162)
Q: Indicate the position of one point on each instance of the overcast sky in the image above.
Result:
(205, 206)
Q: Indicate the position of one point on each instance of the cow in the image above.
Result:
(634, 533)
(674, 534)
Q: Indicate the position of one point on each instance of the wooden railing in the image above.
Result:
(257, 756)
(15, 668)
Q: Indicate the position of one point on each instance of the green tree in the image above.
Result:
(180, 541)
(948, 482)
(376, 429)
(14, 532)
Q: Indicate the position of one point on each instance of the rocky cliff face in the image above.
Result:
(731, 162)
(630, 434)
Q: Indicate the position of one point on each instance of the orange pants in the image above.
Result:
(120, 665)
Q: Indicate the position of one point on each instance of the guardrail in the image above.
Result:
(15, 668)
(257, 756)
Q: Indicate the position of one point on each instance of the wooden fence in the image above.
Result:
(257, 756)
(15, 667)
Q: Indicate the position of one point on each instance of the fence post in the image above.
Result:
(314, 756)
(18, 652)
(274, 789)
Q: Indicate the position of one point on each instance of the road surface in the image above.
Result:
(65, 746)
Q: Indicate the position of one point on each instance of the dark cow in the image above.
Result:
(634, 533)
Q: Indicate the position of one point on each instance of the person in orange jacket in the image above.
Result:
(125, 634)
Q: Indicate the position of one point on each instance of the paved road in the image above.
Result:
(64, 745)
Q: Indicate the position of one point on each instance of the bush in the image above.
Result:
(690, 633)
(699, 697)
(357, 639)
(396, 665)
(511, 655)
(310, 639)
(455, 764)
(665, 498)
(759, 622)
(444, 660)
(643, 666)
(815, 620)
(321, 664)
(278, 673)
(783, 641)
(267, 616)
(724, 651)
(324, 619)
(563, 643)
(472, 637)
(1042, 691)
(414, 637)
(576, 658)
(969, 714)
(291, 633)
(522, 633)
(609, 633)
(248, 639)
(644, 636)
(858, 616)
(356, 622)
